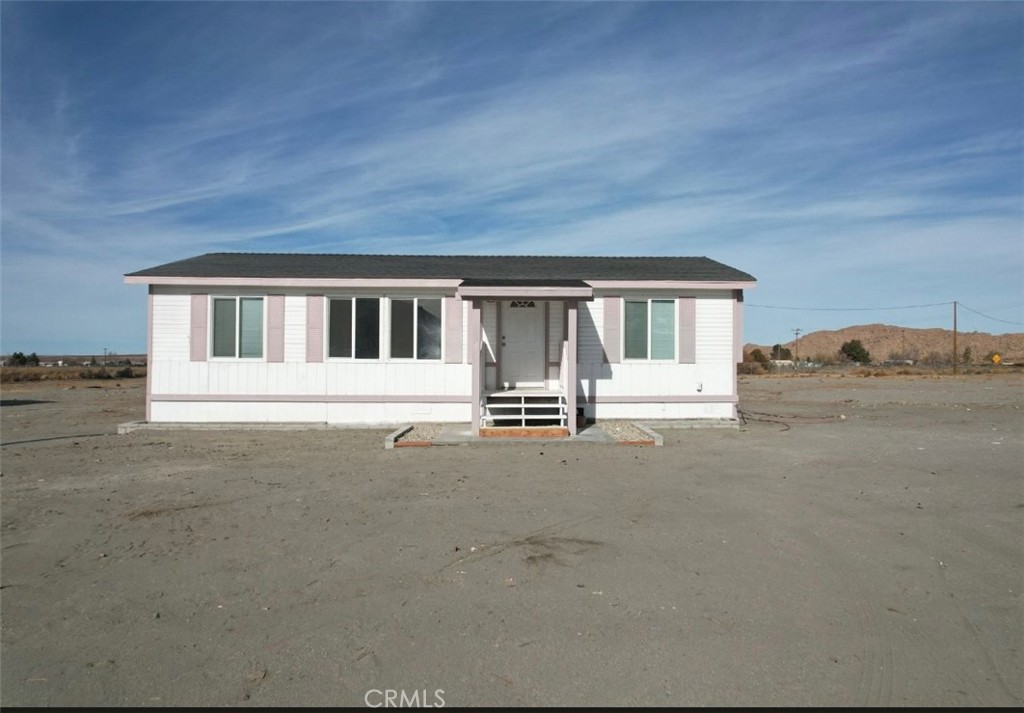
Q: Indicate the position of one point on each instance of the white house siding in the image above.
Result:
(489, 335)
(556, 334)
(714, 327)
(589, 328)
(607, 389)
(312, 412)
(171, 314)
(556, 330)
(172, 374)
(665, 411)
(180, 386)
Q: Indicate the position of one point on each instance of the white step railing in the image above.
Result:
(524, 409)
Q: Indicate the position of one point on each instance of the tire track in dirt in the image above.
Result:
(882, 656)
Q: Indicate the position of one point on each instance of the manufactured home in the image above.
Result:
(495, 341)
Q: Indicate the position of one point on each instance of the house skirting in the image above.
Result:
(376, 409)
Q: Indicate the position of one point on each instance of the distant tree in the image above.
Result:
(758, 356)
(966, 359)
(855, 351)
(19, 359)
(780, 352)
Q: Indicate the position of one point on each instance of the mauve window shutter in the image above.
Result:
(198, 327)
(314, 328)
(612, 329)
(452, 330)
(275, 328)
(687, 330)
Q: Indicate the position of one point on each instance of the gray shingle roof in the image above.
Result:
(465, 267)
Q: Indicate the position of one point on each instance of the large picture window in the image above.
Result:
(649, 329)
(354, 328)
(238, 327)
(416, 328)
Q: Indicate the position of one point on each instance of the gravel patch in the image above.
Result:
(421, 432)
(624, 431)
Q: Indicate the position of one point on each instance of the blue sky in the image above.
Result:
(853, 155)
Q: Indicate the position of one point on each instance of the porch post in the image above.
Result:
(475, 360)
(570, 368)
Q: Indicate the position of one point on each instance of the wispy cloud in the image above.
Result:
(858, 149)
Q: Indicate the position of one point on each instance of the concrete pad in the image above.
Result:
(454, 434)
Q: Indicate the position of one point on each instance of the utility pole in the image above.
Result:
(954, 337)
(796, 344)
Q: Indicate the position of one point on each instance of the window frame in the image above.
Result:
(649, 300)
(237, 331)
(381, 328)
(387, 329)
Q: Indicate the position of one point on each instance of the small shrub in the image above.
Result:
(750, 367)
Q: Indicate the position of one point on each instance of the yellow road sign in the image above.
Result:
(996, 358)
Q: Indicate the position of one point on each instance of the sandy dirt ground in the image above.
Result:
(859, 543)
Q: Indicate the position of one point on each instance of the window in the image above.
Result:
(416, 328)
(650, 329)
(354, 328)
(238, 327)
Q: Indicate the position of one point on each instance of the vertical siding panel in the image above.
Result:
(314, 328)
(556, 325)
(687, 330)
(589, 330)
(465, 331)
(198, 328)
(612, 329)
(452, 330)
(737, 326)
(275, 328)
(715, 338)
(489, 331)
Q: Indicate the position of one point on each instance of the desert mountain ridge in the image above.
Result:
(884, 341)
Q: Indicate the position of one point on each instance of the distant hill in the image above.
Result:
(885, 341)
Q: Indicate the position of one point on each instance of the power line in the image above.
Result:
(994, 319)
(852, 309)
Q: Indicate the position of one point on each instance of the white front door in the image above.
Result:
(523, 360)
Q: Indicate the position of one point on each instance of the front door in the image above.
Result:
(522, 344)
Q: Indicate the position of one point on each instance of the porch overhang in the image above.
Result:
(526, 289)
